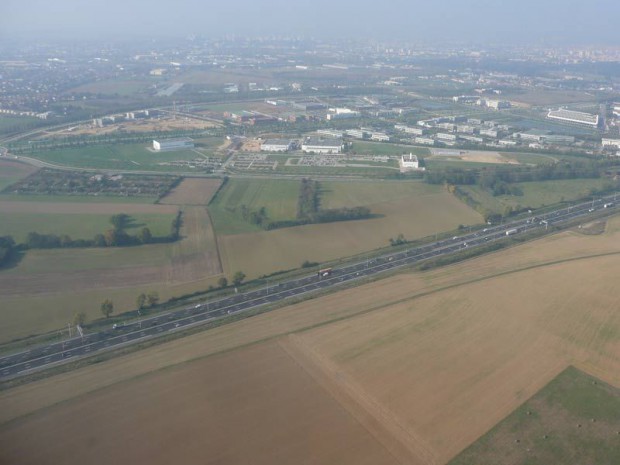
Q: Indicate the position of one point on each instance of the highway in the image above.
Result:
(44, 356)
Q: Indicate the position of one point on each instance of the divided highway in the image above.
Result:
(45, 356)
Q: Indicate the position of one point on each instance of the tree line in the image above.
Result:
(116, 236)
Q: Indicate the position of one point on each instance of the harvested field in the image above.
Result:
(192, 191)
(448, 366)
(251, 406)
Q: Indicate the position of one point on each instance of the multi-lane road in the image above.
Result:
(45, 356)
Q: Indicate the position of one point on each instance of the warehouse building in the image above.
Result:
(277, 145)
(575, 117)
(173, 144)
(320, 145)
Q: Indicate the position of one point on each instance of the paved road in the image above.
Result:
(44, 356)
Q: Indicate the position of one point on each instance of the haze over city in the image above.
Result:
(552, 22)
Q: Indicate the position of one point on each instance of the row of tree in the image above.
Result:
(114, 237)
(491, 177)
(7, 249)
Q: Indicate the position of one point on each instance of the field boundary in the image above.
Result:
(402, 443)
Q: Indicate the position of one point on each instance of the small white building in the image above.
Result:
(611, 143)
(173, 144)
(409, 163)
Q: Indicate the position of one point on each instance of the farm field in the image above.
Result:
(413, 209)
(192, 191)
(536, 194)
(279, 197)
(425, 362)
(251, 406)
(43, 291)
(134, 157)
(120, 87)
(555, 426)
(12, 171)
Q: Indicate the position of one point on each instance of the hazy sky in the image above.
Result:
(469, 21)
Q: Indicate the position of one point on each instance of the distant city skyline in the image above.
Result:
(552, 22)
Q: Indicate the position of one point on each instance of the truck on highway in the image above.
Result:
(324, 272)
(510, 232)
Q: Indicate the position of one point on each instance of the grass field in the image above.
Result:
(43, 291)
(13, 124)
(426, 363)
(78, 226)
(12, 171)
(536, 194)
(133, 157)
(279, 197)
(412, 208)
(555, 426)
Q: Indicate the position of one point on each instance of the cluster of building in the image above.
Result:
(483, 102)
(129, 116)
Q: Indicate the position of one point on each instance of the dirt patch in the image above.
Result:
(249, 406)
(593, 228)
(192, 191)
(251, 145)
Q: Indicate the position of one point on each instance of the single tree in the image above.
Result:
(145, 236)
(119, 221)
(107, 307)
(222, 282)
(141, 300)
(79, 319)
(238, 278)
(152, 298)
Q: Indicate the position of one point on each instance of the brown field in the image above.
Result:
(265, 252)
(192, 191)
(12, 171)
(251, 145)
(250, 406)
(149, 125)
(479, 156)
(425, 362)
(10, 206)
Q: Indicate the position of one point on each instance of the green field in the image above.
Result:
(361, 193)
(384, 148)
(536, 194)
(575, 419)
(19, 123)
(76, 198)
(121, 87)
(78, 226)
(133, 157)
(277, 196)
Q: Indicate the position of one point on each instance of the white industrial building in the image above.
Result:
(409, 163)
(276, 145)
(173, 144)
(495, 104)
(424, 141)
(409, 130)
(611, 143)
(320, 145)
(329, 132)
(576, 117)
